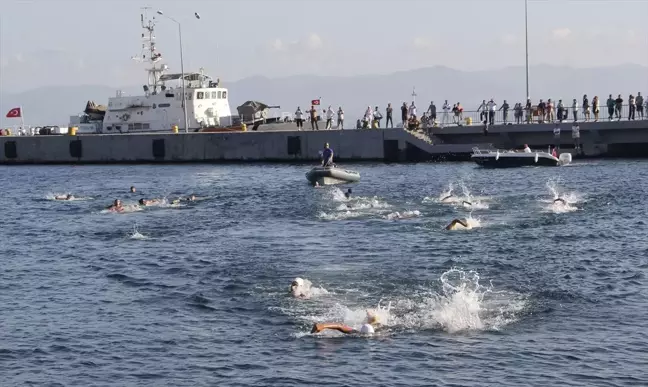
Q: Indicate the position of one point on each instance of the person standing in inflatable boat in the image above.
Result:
(327, 156)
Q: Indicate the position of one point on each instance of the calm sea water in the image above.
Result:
(197, 295)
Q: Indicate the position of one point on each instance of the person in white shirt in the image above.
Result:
(412, 110)
(329, 118)
(377, 117)
(299, 118)
(483, 111)
(446, 113)
(366, 121)
(492, 108)
(340, 118)
(527, 149)
(556, 133)
(575, 110)
(576, 136)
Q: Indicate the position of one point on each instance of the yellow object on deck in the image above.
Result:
(469, 121)
(72, 131)
(243, 127)
(375, 124)
(8, 132)
(174, 128)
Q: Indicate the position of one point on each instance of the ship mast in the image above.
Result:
(151, 55)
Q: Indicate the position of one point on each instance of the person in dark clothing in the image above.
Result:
(313, 118)
(505, 108)
(389, 113)
(404, 114)
(327, 156)
(542, 111)
(618, 106)
(610, 105)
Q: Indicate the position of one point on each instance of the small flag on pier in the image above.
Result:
(315, 102)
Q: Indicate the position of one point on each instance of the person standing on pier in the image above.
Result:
(492, 109)
(505, 108)
(631, 107)
(329, 118)
(340, 118)
(528, 109)
(640, 106)
(299, 118)
(586, 108)
(313, 118)
(412, 110)
(404, 114)
(575, 110)
(389, 114)
(561, 111)
(610, 106)
(618, 105)
(433, 113)
(483, 111)
(550, 111)
(596, 108)
(446, 110)
(377, 117)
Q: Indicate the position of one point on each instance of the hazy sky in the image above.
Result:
(53, 42)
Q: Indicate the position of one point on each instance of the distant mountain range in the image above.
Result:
(54, 105)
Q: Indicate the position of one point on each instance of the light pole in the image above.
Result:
(526, 36)
(184, 95)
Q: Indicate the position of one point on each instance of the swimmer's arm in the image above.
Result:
(461, 222)
(333, 326)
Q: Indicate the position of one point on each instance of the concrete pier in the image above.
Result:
(393, 145)
(598, 139)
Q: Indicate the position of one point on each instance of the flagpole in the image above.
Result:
(22, 118)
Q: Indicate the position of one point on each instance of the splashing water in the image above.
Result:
(462, 304)
(560, 207)
(136, 235)
(403, 215)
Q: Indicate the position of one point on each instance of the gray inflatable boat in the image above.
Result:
(331, 175)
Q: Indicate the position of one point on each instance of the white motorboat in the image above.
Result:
(331, 175)
(512, 158)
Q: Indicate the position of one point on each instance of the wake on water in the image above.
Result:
(570, 198)
(462, 304)
(465, 199)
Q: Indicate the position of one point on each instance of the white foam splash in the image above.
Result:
(559, 207)
(403, 215)
(462, 304)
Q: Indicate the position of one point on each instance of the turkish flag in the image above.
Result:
(315, 102)
(14, 113)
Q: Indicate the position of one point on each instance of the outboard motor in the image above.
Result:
(565, 158)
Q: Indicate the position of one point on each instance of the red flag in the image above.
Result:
(315, 102)
(14, 113)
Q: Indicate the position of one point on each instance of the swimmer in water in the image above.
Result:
(64, 197)
(191, 198)
(560, 200)
(116, 206)
(300, 288)
(132, 189)
(447, 197)
(465, 203)
(455, 222)
(144, 202)
(347, 194)
(372, 323)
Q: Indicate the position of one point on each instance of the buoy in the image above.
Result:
(72, 131)
(174, 128)
(468, 121)
(244, 127)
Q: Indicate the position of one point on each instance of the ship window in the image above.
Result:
(170, 95)
(163, 105)
(219, 95)
(214, 95)
(146, 126)
(224, 95)
(199, 95)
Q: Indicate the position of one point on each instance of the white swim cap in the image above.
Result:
(366, 329)
(299, 281)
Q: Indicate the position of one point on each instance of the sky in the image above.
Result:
(81, 42)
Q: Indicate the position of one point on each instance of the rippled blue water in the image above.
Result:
(197, 295)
